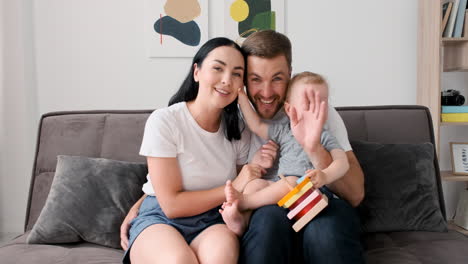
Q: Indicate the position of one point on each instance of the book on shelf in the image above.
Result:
(460, 20)
(454, 117)
(446, 9)
(454, 109)
(448, 33)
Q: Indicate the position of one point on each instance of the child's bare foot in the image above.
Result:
(231, 193)
(233, 218)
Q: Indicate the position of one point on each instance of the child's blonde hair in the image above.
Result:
(306, 77)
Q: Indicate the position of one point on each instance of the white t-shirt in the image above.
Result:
(334, 125)
(206, 160)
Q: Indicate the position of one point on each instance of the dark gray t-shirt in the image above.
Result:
(293, 160)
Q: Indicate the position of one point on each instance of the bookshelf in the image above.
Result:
(455, 54)
(448, 176)
(449, 40)
(453, 226)
(436, 55)
(453, 123)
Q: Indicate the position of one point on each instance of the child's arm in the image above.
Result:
(336, 170)
(254, 122)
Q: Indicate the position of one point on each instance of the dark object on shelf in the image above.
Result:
(452, 97)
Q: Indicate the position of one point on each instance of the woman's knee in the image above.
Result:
(161, 244)
(216, 244)
(156, 256)
(226, 250)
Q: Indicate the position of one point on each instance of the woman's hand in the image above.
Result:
(126, 226)
(241, 91)
(266, 155)
(248, 173)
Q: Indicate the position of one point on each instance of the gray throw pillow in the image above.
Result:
(400, 187)
(88, 200)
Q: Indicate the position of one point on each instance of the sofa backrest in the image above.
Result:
(101, 134)
(117, 135)
(395, 124)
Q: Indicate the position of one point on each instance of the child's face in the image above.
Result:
(300, 89)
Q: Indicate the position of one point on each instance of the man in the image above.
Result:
(333, 236)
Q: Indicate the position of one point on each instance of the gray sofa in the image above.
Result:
(117, 135)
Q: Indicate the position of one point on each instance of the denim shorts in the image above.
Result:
(150, 213)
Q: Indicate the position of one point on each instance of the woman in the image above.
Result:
(192, 149)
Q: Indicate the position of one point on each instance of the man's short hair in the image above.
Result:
(268, 44)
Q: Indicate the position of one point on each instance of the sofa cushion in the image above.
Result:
(415, 247)
(18, 252)
(88, 201)
(401, 190)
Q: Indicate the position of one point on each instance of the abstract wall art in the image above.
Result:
(244, 17)
(175, 28)
(459, 154)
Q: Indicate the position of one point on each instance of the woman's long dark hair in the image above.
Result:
(188, 91)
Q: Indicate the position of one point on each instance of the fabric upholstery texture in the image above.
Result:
(400, 186)
(18, 252)
(419, 247)
(117, 134)
(100, 134)
(88, 200)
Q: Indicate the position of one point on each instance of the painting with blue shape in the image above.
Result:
(175, 28)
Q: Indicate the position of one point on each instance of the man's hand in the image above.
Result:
(126, 226)
(248, 173)
(266, 155)
(307, 123)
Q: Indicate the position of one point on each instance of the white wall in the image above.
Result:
(18, 110)
(2, 123)
(87, 51)
(367, 49)
(91, 55)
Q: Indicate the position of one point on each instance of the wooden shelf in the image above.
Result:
(449, 176)
(454, 39)
(436, 55)
(453, 226)
(454, 123)
(456, 69)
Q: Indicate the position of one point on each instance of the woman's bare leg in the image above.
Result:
(161, 244)
(216, 244)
